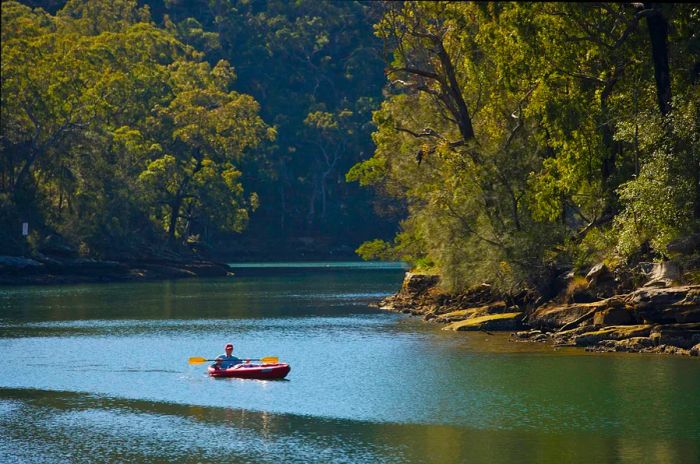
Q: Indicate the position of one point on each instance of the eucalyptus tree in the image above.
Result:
(204, 130)
(513, 131)
(94, 100)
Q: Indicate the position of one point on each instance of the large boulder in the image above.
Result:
(666, 305)
(557, 316)
(664, 274)
(504, 321)
(695, 351)
(419, 294)
(681, 335)
(597, 272)
(601, 281)
(414, 283)
(614, 315)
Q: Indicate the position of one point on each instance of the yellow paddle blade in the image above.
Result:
(197, 360)
(270, 360)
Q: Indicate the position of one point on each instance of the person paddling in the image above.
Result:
(227, 360)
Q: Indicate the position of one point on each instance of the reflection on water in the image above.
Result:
(134, 431)
(98, 373)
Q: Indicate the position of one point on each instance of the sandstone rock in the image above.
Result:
(386, 305)
(567, 337)
(418, 283)
(647, 297)
(679, 335)
(633, 344)
(556, 316)
(666, 305)
(664, 274)
(596, 272)
(615, 315)
(459, 315)
(462, 314)
(613, 333)
(670, 349)
(695, 350)
(527, 334)
(602, 282)
(505, 321)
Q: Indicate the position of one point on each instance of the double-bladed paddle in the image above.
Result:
(267, 360)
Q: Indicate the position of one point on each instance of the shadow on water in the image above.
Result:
(42, 426)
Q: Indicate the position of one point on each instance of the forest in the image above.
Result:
(527, 138)
(508, 141)
(157, 126)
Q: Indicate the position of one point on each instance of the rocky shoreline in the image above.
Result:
(662, 316)
(44, 270)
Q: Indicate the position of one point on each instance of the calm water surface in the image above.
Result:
(94, 373)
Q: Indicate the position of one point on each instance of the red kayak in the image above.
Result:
(253, 371)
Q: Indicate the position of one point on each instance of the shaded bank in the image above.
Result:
(43, 270)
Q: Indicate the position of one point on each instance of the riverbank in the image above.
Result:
(661, 316)
(44, 270)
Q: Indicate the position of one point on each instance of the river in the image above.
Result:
(99, 373)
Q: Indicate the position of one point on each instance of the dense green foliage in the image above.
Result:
(317, 70)
(515, 139)
(165, 149)
(115, 132)
(527, 137)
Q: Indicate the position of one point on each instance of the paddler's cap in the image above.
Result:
(229, 345)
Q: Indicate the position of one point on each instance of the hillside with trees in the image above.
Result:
(117, 136)
(306, 77)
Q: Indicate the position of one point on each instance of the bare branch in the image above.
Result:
(416, 71)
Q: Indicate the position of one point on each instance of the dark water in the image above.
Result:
(94, 373)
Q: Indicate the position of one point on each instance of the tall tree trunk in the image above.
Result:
(179, 197)
(658, 35)
(453, 89)
(696, 209)
(311, 214)
(611, 146)
(174, 214)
